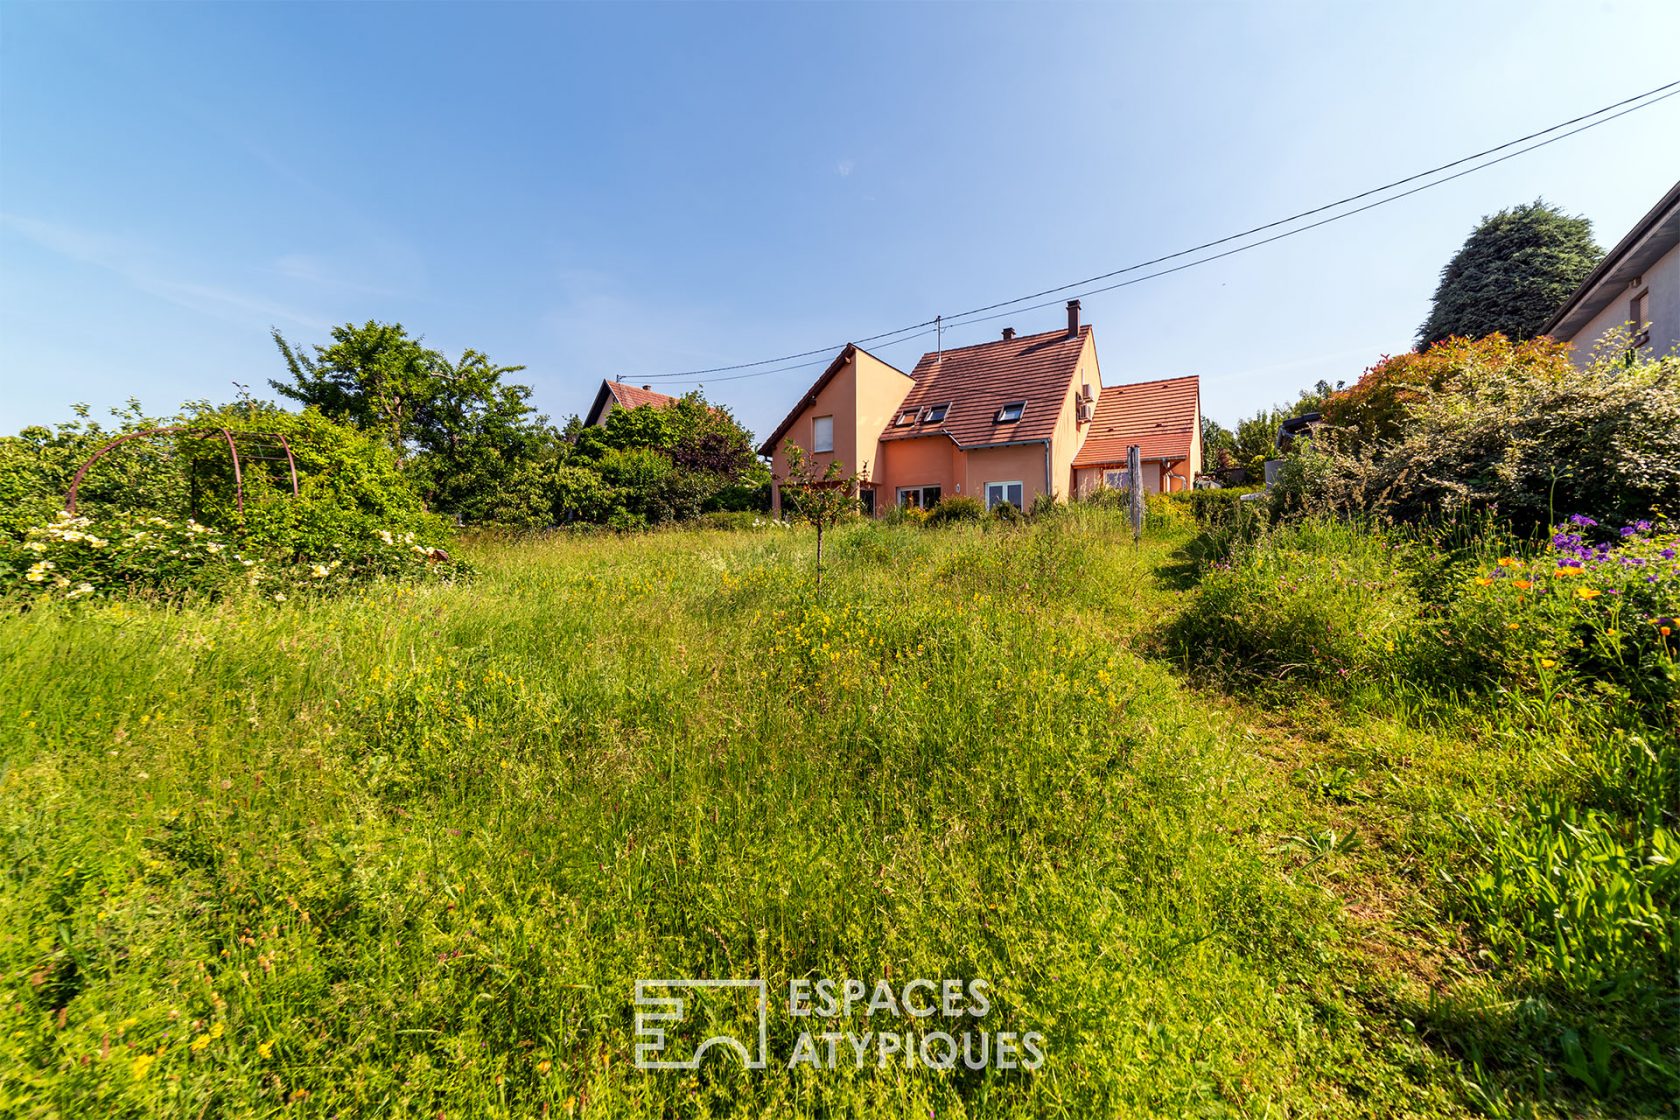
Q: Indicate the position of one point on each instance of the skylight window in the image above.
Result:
(1011, 412)
(905, 418)
(934, 413)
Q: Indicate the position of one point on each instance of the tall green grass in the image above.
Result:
(406, 853)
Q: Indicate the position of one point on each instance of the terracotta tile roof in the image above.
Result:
(977, 381)
(1158, 416)
(635, 396)
(624, 396)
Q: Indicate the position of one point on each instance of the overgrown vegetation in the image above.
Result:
(163, 514)
(409, 850)
(1491, 427)
(476, 450)
(1564, 652)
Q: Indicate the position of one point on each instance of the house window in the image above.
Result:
(1116, 480)
(822, 433)
(934, 413)
(918, 497)
(866, 500)
(999, 492)
(1011, 412)
(905, 418)
(1639, 311)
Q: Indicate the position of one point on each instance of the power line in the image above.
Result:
(1626, 105)
(1310, 226)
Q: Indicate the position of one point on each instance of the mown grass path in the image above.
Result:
(406, 854)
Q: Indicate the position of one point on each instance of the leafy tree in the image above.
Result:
(1512, 274)
(373, 377)
(1255, 438)
(1219, 445)
(464, 434)
(821, 498)
(667, 464)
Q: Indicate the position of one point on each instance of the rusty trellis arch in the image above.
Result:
(201, 433)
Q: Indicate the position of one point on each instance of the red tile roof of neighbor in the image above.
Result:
(625, 396)
(634, 396)
(977, 381)
(1158, 416)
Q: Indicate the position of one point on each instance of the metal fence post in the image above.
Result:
(1134, 479)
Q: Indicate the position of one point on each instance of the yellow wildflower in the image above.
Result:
(1547, 663)
(1587, 592)
(1522, 584)
(200, 1042)
(1507, 562)
(141, 1063)
(264, 1049)
(1483, 581)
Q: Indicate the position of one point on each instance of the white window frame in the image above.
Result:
(1001, 418)
(921, 495)
(1004, 496)
(816, 435)
(928, 416)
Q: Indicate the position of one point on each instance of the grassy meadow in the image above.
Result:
(406, 852)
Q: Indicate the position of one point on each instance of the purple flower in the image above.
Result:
(1582, 520)
(1667, 554)
(1628, 530)
(1642, 526)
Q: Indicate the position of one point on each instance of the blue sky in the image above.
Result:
(632, 190)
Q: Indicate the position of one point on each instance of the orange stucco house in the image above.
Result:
(1003, 421)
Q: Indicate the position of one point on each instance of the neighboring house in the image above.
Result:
(1003, 421)
(1162, 418)
(1636, 286)
(616, 394)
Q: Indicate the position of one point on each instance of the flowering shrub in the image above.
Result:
(74, 558)
(1488, 425)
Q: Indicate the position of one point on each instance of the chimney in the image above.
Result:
(1073, 317)
(1008, 333)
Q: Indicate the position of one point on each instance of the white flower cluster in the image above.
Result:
(65, 528)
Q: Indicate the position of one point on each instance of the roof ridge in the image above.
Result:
(1084, 328)
(1154, 381)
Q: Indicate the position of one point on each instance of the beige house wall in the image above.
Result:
(1662, 279)
(881, 389)
(862, 397)
(1070, 433)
